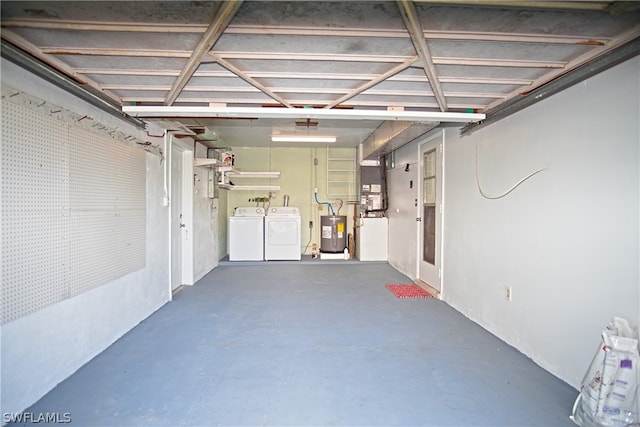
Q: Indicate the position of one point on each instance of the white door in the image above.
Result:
(430, 213)
(177, 223)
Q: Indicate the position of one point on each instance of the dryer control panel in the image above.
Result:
(248, 211)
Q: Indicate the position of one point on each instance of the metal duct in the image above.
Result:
(391, 135)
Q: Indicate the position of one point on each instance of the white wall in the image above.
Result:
(299, 176)
(205, 221)
(42, 349)
(567, 240)
(222, 208)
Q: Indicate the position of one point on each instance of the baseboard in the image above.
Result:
(428, 288)
(176, 290)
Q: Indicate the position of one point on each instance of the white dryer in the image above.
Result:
(246, 234)
(282, 234)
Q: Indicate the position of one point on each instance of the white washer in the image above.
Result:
(246, 234)
(282, 234)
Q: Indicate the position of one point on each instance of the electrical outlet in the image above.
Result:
(508, 293)
(310, 224)
(320, 208)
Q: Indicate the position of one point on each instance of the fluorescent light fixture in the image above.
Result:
(299, 113)
(302, 138)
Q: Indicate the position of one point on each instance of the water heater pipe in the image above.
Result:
(315, 194)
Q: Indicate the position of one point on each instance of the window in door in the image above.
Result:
(429, 206)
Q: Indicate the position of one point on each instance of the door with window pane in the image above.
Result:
(430, 212)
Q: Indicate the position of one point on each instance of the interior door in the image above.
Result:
(177, 223)
(430, 213)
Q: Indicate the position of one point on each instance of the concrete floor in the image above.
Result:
(285, 344)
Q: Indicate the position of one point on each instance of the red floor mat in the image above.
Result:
(408, 291)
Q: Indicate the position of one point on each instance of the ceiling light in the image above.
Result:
(302, 138)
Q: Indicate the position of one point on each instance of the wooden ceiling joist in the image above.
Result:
(221, 20)
(414, 27)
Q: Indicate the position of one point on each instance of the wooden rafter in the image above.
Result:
(75, 25)
(558, 4)
(303, 76)
(428, 34)
(300, 90)
(301, 31)
(221, 20)
(382, 77)
(308, 56)
(515, 63)
(225, 55)
(94, 51)
(253, 82)
(414, 27)
(348, 69)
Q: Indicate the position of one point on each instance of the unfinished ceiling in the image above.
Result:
(414, 56)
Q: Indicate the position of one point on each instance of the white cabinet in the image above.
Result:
(372, 239)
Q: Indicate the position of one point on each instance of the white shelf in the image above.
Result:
(208, 162)
(250, 187)
(341, 172)
(240, 174)
(228, 172)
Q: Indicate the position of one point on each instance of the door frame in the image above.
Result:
(437, 141)
(186, 202)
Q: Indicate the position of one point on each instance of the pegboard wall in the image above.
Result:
(73, 210)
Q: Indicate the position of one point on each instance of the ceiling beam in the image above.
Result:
(293, 113)
(107, 26)
(299, 90)
(471, 103)
(302, 76)
(489, 62)
(428, 34)
(253, 82)
(371, 83)
(389, 58)
(307, 56)
(128, 72)
(223, 54)
(568, 5)
(485, 81)
(52, 24)
(414, 27)
(221, 20)
(94, 51)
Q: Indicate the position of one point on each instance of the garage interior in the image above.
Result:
(506, 141)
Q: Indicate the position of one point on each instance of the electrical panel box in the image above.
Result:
(372, 191)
